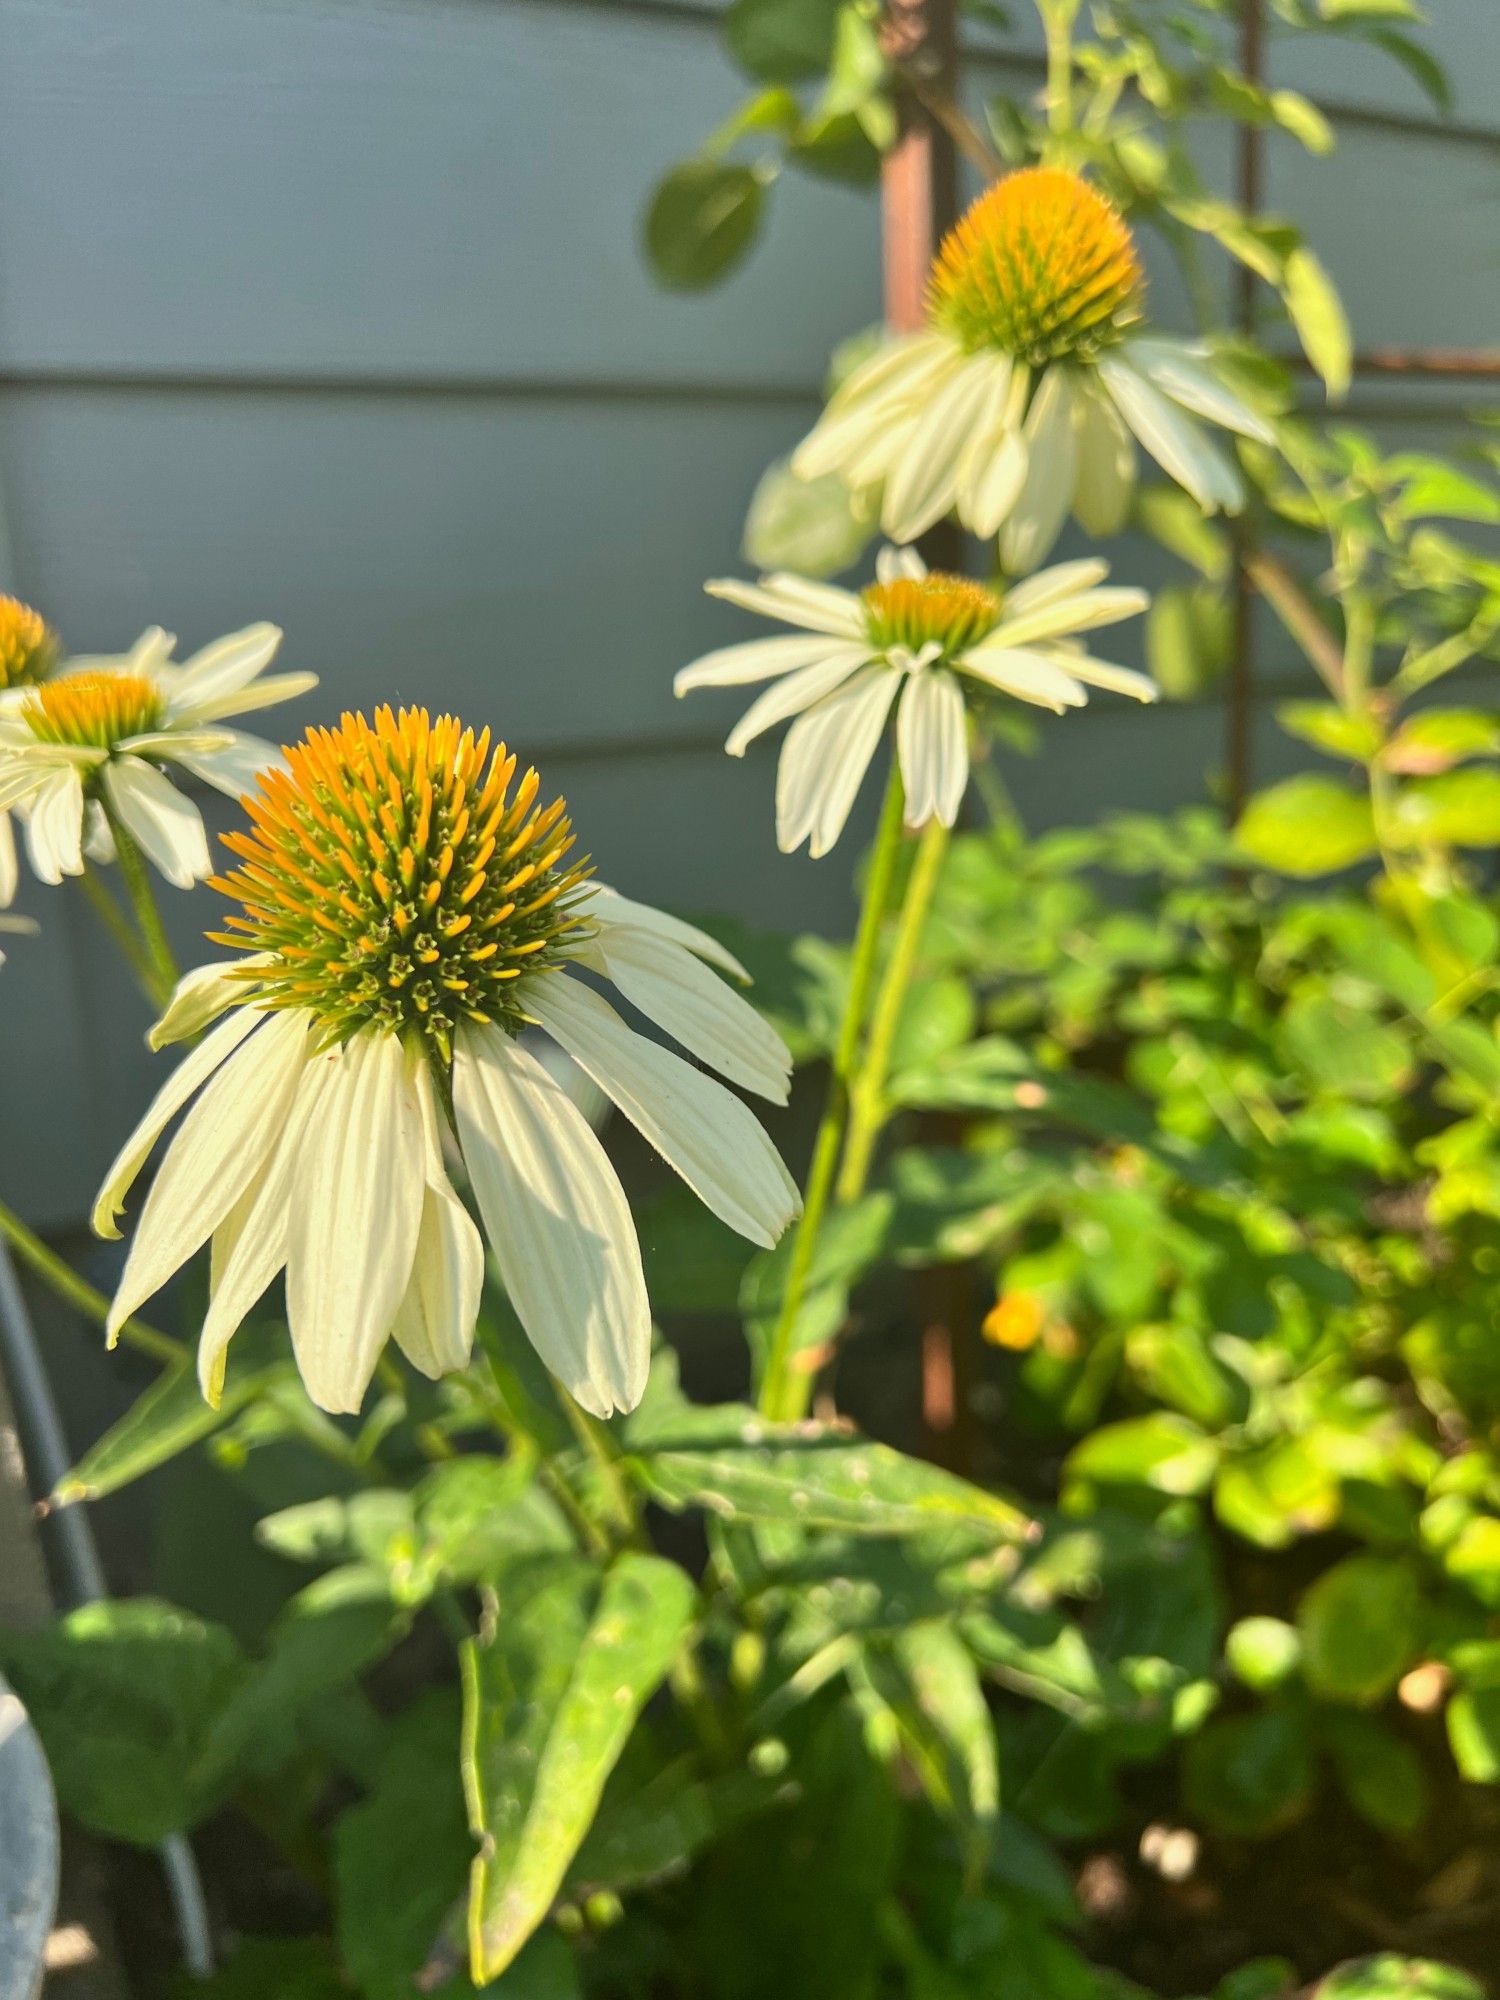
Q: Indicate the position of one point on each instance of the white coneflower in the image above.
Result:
(1024, 394)
(93, 744)
(407, 912)
(918, 636)
(28, 654)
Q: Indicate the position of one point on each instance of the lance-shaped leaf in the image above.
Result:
(550, 1697)
(928, 1682)
(169, 1417)
(739, 1467)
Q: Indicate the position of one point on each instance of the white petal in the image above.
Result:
(884, 385)
(1177, 371)
(932, 742)
(700, 1129)
(194, 1069)
(1082, 611)
(250, 1245)
(695, 1007)
(434, 1324)
(167, 826)
(1050, 586)
(160, 744)
(356, 1206)
(771, 599)
(1105, 484)
(237, 769)
(825, 757)
(923, 486)
(9, 873)
(608, 906)
(1035, 520)
(224, 667)
(264, 693)
(756, 660)
(994, 468)
(558, 1221)
(54, 827)
(202, 995)
(905, 363)
(792, 695)
(20, 777)
(1173, 440)
(1028, 676)
(225, 1140)
(891, 564)
(1103, 674)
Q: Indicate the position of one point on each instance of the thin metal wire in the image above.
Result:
(76, 1555)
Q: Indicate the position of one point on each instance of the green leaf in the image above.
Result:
(1264, 1653)
(781, 41)
(816, 527)
(1317, 312)
(649, 1831)
(928, 1681)
(291, 1968)
(124, 1695)
(1307, 826)
(1353, 738)
(1175, 519)
(1178, 1365)
(1474, 1734)
(1418, 63)
(937, 1017)
(1361, 1624)
(551, 1693)
(1250, 1774)
(167, 1419)
(702, 221)
(1439, 737)
(1457, 809)
(1371, 10)
(1188, 640)
(1165, 1453)
(1380, 1772)
(364, 1527)
(735, 1465)
(1302, 118)
(1338, 1046)
(1392, 1978)
(1277, 1492)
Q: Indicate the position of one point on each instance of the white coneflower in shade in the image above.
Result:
(407, 911)
(93, 745)
(28, 654)
(1025, 394)
(913, 640)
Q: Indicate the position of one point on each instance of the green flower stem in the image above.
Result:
(1058, 17)
(161, 962)
(600, 1449)
(784, 1391)
(867, 1112)
(78, 1292)
(120, 929)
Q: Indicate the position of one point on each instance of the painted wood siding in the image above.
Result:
(331, 311)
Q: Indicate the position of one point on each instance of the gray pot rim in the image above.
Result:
(28, 1851)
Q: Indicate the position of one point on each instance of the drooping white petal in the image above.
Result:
(932, 743)
(1105, 482)
(557, 1218)
(1081, 611)
(202, 995)
(700, 1129)
(792, 695)
(675, 990)
(236, 769)
(993, 472)
(250, 1244)
(1176, 369)
(773, 600)
(1028, 676)
(194, 1069)
(225, 1140)
(756, 660)
(892, 564)
(9, 873)
(19, 778)
(54, 826)
(434, 1324)
(1173, 440)
(825, 757)
(906, 363)
(923, 486)
(222, 668)
(608, 906)
(875, 393)
(1036, 517)
(167, 826)
(356, 1207)
(1104, 674)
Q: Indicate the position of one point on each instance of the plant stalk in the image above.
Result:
(162, 971)
(79, 1293)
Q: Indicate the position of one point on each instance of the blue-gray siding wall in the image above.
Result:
(330, 311)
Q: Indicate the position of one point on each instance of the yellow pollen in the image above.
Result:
(367, 862)
(93, 709)
(950, 612)
(1042, 268)
(28, 645)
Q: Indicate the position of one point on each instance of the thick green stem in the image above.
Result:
(784, 1390)
(867, 1113)
(78, 1292)
(1057, 21)
(162, 974)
